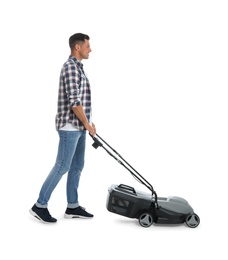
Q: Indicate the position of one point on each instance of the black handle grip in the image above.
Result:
(126, 187)
(96, 143)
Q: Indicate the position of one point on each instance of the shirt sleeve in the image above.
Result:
(72, 83)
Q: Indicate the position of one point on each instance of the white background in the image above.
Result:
(158, 72)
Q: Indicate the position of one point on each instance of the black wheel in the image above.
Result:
(192, 220)
(145, 219)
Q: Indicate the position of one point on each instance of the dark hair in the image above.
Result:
(76, 38)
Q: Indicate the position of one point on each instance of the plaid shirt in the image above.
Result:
(74, 90)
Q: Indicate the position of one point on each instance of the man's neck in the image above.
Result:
(76, 55)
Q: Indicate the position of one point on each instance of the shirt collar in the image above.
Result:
(76, 61)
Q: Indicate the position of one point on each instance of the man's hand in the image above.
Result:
(91, 128)
(79, 112)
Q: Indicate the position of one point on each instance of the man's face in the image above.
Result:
(84, 50)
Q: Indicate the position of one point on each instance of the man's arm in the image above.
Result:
(79, 112)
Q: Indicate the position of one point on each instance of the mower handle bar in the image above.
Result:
(97, 143)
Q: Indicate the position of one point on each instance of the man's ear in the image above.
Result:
(77, 47)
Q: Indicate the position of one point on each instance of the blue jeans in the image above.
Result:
(70, 158)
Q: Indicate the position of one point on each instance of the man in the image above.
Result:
(72, 120)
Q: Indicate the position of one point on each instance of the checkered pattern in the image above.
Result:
(74, 90)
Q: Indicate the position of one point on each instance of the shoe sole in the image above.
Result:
(40, 219)
(69, 216)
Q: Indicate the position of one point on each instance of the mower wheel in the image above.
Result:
(192, 220)
(145, 219)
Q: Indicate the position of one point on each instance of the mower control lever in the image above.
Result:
(96, 143)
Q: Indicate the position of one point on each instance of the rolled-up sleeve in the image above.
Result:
(72, 84)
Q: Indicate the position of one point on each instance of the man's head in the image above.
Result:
(79, 45)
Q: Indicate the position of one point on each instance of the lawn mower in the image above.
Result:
(148, 208)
